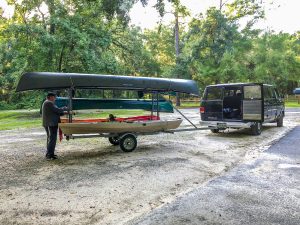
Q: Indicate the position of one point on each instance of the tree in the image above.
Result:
(276, 60)
(208, 40)
(71, 36)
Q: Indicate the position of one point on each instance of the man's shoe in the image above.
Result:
(51, 157)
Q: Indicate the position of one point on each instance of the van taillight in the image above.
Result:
(202, 109)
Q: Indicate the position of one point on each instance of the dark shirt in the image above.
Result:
(51, 114)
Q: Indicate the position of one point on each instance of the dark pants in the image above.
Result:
(51, 139)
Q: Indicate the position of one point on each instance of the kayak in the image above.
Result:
(118, 127)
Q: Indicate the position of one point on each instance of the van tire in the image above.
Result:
(215, 131)
(280, 121)
(256, 128)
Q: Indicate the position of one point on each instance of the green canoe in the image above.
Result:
(85, 103)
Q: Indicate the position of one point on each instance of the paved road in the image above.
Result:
(261, 191)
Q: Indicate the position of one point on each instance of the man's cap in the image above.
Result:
(50, 94)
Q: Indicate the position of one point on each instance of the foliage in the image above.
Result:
(276, 60)
(95, 37)
(72, 36)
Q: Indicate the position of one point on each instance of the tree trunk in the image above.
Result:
(51, 7)
(177, 51)
(61, 59)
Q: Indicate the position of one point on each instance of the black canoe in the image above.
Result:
(54, 81)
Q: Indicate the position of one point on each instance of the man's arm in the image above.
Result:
(59, 111)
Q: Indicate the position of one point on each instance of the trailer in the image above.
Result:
(119, 132)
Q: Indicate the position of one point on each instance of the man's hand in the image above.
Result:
(69, 112)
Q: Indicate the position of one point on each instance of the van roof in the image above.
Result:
(236, 84)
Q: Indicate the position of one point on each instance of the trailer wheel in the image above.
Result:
(214, 131)
(114, 140)
(128, 143)
(256, 128)
(280, 121)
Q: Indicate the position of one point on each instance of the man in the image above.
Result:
(51, 117)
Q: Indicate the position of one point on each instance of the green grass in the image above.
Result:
(12, 119)
(190, 105)
(292, 104)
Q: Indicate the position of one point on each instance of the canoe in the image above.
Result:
(57, 81)
(143, 104)
(119, 127)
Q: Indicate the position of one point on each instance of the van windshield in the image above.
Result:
(213, 93)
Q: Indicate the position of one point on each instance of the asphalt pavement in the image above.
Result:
(264, 190)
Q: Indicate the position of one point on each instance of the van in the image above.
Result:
(242, 105)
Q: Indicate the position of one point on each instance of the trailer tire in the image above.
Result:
(256, 128)
(214, 131)
(280, 121)
(114, 140)
(128, 143)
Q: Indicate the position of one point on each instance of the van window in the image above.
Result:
(274, 93)
(277, 93)
(232, 91)
(267, 92)
(252, 92)
(213, 93)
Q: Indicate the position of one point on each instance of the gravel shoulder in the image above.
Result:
(95, 183)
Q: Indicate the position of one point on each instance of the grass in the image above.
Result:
(190, 105)
(12, 119)
(292, 104)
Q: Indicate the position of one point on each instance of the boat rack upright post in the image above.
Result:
(70, 104)
(152, 108)
(157, 104)
(156, 94)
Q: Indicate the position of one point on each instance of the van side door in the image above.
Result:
(268, 103)
(253, 103)
(278, 104)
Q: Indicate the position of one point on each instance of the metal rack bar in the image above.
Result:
(152, 109)
(185, 117)
(157, 104)
(70, 104)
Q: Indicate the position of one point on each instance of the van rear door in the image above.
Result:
(253, 109)
(212, 104)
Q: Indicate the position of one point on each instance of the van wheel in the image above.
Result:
(256, 128)
(214, 131)
(280, 121)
